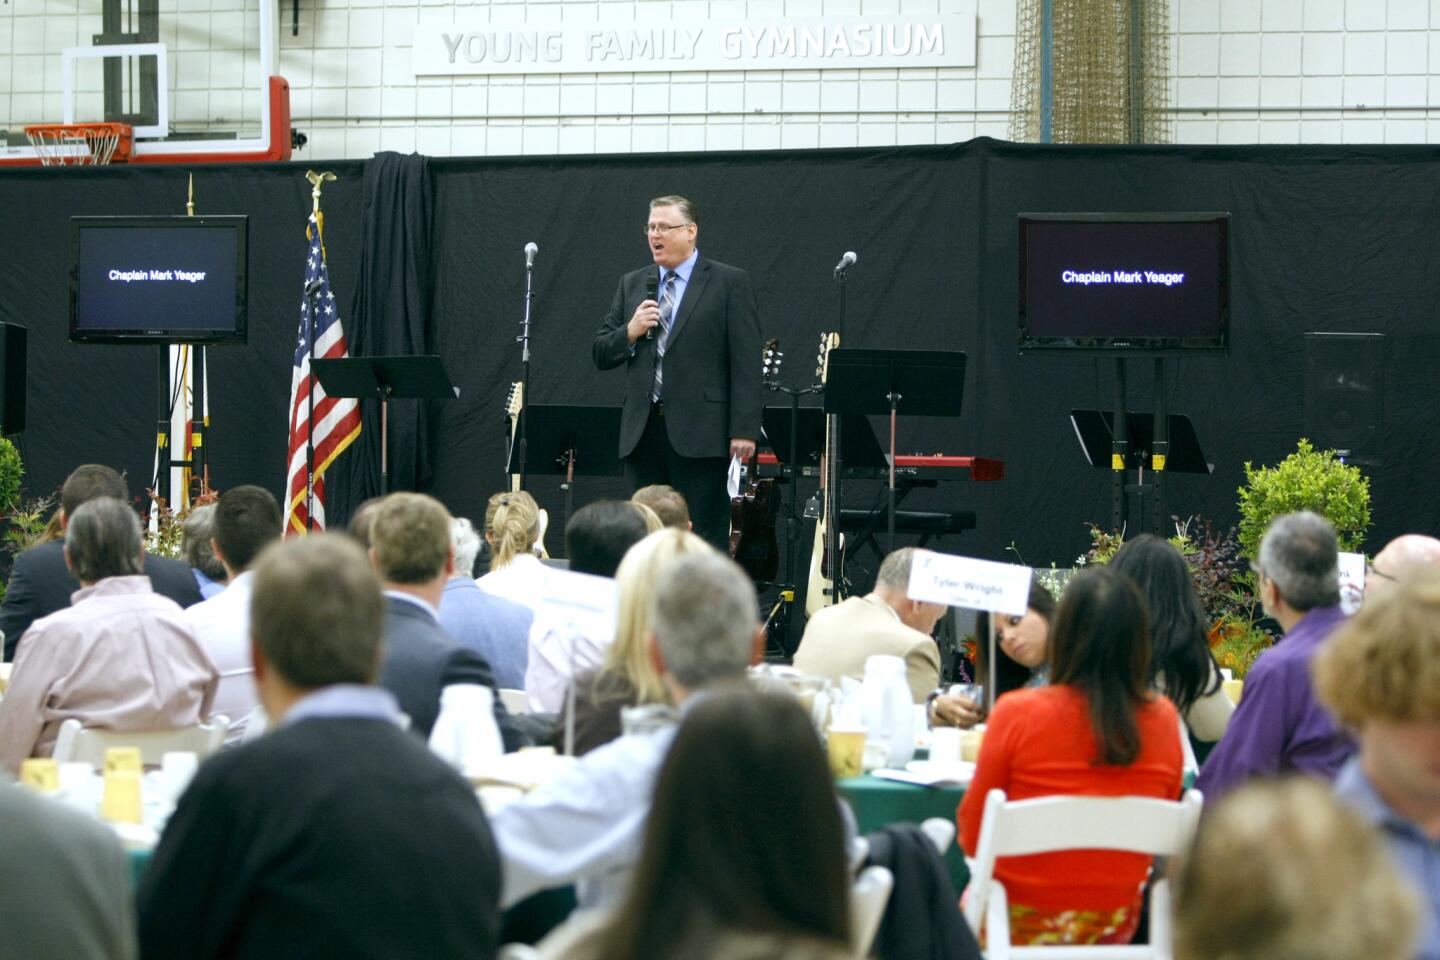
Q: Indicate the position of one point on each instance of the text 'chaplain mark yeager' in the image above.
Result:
(1122, 276)
(133, 276)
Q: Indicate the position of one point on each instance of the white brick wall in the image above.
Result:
(1306, 71)
(1245, 71)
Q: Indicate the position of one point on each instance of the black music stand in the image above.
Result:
(859, 448)
(567, 439)
(1177, 452)
(385, 379)
(926, 383)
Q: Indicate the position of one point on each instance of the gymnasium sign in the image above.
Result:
(654, 45)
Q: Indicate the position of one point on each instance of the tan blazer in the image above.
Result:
(838, 639)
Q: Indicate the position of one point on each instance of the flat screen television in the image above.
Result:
(1125, 282)
(157, 279)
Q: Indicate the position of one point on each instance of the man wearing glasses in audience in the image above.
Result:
(686, 330)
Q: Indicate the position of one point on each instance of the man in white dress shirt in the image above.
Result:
(587, 826)
(247, 519)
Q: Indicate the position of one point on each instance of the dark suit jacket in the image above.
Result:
(712, 361)
(421, 660)
(327, 837)
(40, 584)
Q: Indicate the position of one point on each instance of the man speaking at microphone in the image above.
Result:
(687, 332)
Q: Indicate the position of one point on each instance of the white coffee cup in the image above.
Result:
(177, 769)
(945, 744)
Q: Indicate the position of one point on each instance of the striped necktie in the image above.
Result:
(667, 311)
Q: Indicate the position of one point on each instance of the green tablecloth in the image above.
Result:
(139, 860)
(878, 802)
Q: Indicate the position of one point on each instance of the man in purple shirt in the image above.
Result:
(1279, 726)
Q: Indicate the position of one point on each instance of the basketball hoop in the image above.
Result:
(80, 144)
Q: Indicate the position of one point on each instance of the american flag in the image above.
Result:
(337, 420)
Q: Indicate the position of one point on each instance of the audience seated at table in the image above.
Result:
(196, 532)
(596, 539)
(336, 834)
(728, 870)
(41, 583)
(586, 826)
(885, 622)
(121, 657)
(1097, 729)
(66, 880)
(410, 547)
(1380, 675)
(667, 502)
(628, 677)
(1279, 726)
(1181, 666)
(495, 628)
(512, 529)
(1022, 658)
(245, 520)
(1281, 871)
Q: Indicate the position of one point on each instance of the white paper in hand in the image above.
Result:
(732, 478)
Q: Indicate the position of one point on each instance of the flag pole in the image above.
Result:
(316, 179)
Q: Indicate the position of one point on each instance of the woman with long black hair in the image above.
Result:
(1181, 666)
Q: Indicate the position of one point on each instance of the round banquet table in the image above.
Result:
(878, 802)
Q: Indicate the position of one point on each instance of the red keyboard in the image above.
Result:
(937, 466)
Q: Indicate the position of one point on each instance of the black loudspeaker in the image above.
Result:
(12, 389)
(1345, 393)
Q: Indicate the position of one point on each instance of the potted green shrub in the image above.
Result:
(1306, 480)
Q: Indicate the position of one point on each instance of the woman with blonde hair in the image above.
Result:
(627, 678)
(512, 527)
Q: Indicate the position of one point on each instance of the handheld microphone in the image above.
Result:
(652, 292)
(847, 260)
(530, 251)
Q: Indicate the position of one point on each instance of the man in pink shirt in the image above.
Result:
(121, 657)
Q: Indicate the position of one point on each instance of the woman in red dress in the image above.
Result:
(1096, 730)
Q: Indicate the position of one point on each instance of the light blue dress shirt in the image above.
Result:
(1416, 855)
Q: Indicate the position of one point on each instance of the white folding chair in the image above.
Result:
(941, 833)
(88, 744)
(1046, 824)
(517, 951)
(514, 700)
(868, 896)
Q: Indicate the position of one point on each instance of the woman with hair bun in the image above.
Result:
(512, 528)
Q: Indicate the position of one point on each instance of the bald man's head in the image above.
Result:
(1400, 555)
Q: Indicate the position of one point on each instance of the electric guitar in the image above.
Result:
(827, 556)
(754, 512)
(514, 403)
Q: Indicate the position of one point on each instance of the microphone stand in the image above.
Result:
(524, 339)
(312, 294)
(833, 535)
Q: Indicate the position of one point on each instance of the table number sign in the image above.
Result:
(969, 583)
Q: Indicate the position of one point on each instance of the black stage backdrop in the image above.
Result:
(1323, 238)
